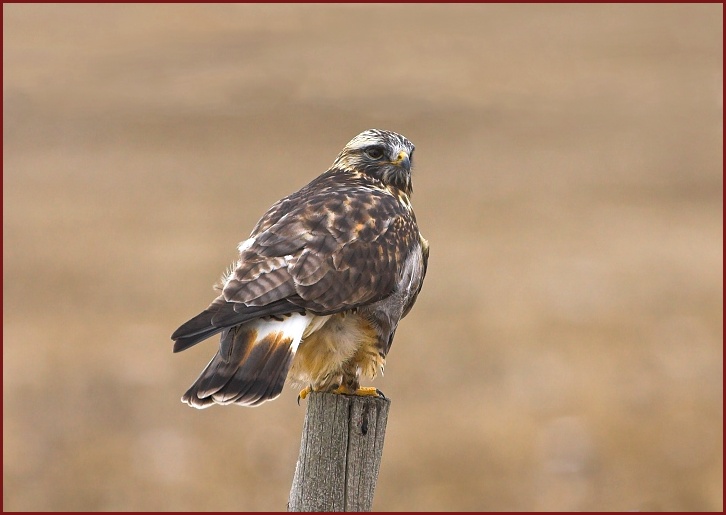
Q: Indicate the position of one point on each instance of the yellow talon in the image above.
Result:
(369, 391)
(365, 391)
(303, 394)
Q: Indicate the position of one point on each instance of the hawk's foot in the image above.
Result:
(303, 394)
(364, 391)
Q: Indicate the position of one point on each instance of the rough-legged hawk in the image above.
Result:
(320, 285)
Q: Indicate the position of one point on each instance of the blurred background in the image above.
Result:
(566, 350)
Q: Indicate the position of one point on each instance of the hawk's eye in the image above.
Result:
(374, 153)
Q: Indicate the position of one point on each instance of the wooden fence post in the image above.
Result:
(340, 453)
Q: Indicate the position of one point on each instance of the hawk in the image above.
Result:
(320, 285)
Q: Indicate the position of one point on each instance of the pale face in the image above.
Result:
(383, 155)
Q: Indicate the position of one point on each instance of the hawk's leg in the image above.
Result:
(351, 384)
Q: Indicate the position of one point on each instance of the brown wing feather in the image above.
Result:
(336, 244)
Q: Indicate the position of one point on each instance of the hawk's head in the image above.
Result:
(383, 155)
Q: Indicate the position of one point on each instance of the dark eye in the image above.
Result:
(374, 153)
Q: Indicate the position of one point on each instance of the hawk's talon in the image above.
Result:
(368, 391)
(303, 394)
(364, 391)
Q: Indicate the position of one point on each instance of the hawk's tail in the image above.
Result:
(251, 365)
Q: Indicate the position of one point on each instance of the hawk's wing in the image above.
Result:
(336, 244)
(327, 248)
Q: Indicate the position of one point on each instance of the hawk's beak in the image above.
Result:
(403, 160)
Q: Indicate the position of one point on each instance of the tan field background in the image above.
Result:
(566, 350)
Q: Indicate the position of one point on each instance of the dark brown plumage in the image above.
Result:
(321, 283)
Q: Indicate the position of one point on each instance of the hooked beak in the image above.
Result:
(403, 160)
